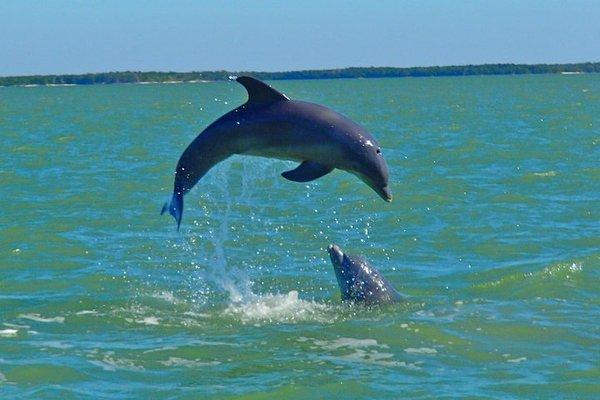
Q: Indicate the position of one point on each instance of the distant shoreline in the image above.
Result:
(106, 78)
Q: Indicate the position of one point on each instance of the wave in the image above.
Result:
(552, 281)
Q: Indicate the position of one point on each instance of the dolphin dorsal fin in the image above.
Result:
(259, 92)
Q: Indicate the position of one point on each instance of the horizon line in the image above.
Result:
(302, 70)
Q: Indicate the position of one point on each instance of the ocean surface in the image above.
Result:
(493, 237)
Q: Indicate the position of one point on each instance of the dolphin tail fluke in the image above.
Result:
(175, 207)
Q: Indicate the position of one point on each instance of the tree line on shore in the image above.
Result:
(353, 72)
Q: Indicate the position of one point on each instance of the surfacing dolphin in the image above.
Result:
(359, 282)
(269, 124)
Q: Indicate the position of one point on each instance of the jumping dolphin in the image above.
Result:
(359, 282)
(269, 124)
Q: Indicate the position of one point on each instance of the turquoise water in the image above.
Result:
(493, 235)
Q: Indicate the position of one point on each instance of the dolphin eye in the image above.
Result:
(378, 151)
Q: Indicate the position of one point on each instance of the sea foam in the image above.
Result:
(39, 318)
(8, 332)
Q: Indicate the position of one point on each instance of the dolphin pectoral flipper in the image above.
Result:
(307, 171)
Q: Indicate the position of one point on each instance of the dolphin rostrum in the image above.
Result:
(269, 124)
(359, 282)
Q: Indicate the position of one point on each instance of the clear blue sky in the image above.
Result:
(40, 37)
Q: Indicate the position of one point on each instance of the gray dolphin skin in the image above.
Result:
(359, 282)
(271, 125)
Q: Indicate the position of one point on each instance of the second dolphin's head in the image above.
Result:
(359, 281)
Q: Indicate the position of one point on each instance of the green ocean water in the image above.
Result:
(493, 236)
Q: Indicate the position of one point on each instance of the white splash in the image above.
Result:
(348, 342)
(575, 267)
(287, 308)
(9, 332)
(545, 174)
(420, 350)
(196, 314)
(39, 318)
(86, 312)
(54, 344)
(110, 363)
(374, 357)
(148, 321)
(167, 296)
(517, 360)
(184, 362)
(365, 351)
(16, 325)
